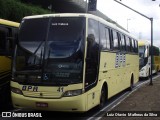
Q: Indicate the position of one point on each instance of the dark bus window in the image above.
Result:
(127, 44)
(93, 29)
(123, 43)
(104, 37)
(107, 38)
(115, 40)
(3, 39)
(7, 39)
(103, 41)
(12, 39)
(15, 35)
(132, 47)
(136, 46)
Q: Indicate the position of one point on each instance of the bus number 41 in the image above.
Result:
(60, 89)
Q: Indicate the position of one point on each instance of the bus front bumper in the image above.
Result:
(68, 104)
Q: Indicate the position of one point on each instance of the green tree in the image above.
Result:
(15, 10)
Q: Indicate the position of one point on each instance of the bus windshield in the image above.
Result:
(141, 51)
(142, 60)
(54, 47)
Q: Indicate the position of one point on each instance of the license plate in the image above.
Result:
(41, 104)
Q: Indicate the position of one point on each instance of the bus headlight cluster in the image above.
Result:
(16, 90)
(72, 93)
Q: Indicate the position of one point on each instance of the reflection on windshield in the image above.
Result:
(65, 36)
(32, 33)
(64, 49)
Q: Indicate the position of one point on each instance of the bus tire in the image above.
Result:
(102, 98)
(131, 83)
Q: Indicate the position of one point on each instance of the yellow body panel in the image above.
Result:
(9, 23)
(156, 62)
(64, 104)
(118, 78)
(5, 64)
(78, 103)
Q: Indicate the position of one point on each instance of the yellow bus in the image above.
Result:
(145, 59)
(8, 34)
(71, 62)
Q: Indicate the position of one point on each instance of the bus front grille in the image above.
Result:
(42, 94)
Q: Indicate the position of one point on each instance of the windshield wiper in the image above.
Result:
(33, 56)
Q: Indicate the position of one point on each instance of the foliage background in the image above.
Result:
(15, 10)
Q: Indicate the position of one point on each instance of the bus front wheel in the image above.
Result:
(102, 98)
(131, 84)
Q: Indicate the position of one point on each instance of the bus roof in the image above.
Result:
(8, 23)
(143, 42)
(146, 42)
(80, 15)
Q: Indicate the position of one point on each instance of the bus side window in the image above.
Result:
(136, 44)
(15, 37)
(132, 46)
(127, 44)
(130, 40)
(93, 28)
(104, 37)
(107, 37)
(103, 41)
(10, 40)
(123, 43)
(115, 40)
(3, 39)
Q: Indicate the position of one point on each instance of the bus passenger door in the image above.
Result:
(92, 62)
(92, 54)
(91, 72)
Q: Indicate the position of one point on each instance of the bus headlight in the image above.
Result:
(72, 93)
(16, 90)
